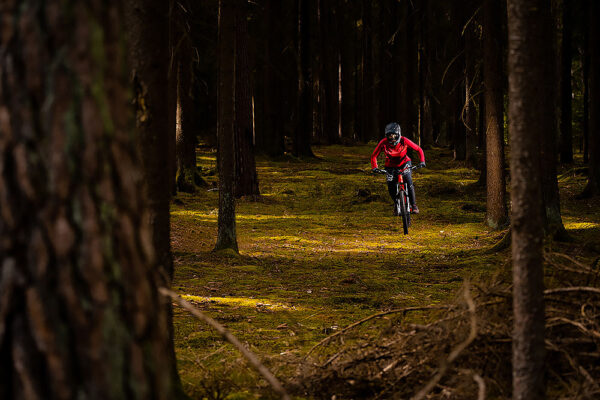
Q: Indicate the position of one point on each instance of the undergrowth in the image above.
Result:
(321, 250)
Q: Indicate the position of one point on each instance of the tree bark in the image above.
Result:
(246, 179)
(425, 73)
(497, 214)
(348, 49)
(566, 113)
(549, 146)
(586, 81)
(369, 93)
(187, 176)
(409, 74)
(593, 186)
(149, 45)
(469, 114)
(226, 233)
(329, 72)
(149, 49)
(80, 315)
(531, 105)
(304, 128)
(271, 127)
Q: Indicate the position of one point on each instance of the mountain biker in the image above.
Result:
(395, 147)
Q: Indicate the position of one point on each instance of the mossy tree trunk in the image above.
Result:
(226, 234)
(497, 214)
(246, 179)
(80, 314)
(531, 107)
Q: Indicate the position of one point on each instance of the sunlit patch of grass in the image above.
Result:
(581, 225)
(240, 301)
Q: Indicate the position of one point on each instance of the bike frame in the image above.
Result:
(402, 203)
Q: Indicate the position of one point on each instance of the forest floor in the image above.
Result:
(316, 256)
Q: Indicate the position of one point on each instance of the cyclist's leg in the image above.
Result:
(409, 185)
(392, 183)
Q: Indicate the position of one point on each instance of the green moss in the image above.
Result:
(322, 259)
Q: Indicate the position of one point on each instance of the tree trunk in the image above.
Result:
(469, 114)
(329, 72)
(459, 136)
(246, 179)
(187, 176)
(348, 49)
(81, 316)
(409, 74)
(149, 44)
(270, 135)
(549, 147)
(425, 73)
(226, 234)
(586, 81)
(593, 186)
(531, 107)
(304, 128)
(369, 95)
(496, 215)
(566, 113)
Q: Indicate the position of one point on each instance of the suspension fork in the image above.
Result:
(403, 191)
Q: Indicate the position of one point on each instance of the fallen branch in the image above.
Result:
(455, 353)
(381, 314)
(576, 324)
(574, 261)
(250, 356)
(573, 289)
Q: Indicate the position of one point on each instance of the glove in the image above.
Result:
(422, 164)
(374, 171)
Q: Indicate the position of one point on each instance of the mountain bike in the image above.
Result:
(402, 206)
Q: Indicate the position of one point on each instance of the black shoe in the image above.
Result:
(415, 210)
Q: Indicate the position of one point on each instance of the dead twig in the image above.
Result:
(576, 324)
(250, 356)
(574, 261)
(573, 289)
(456, 352)
(481, 385)
(381, 314)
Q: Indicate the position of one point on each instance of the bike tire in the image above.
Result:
(404, 213)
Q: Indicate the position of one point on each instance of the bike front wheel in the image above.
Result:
(404, 213)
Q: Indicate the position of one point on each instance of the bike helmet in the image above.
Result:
(393, 132)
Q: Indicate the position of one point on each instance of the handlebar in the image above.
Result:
(384, 172)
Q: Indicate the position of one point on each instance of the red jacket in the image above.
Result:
(395, 156)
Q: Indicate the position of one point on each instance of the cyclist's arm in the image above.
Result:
(415, 147)
(376, 153)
